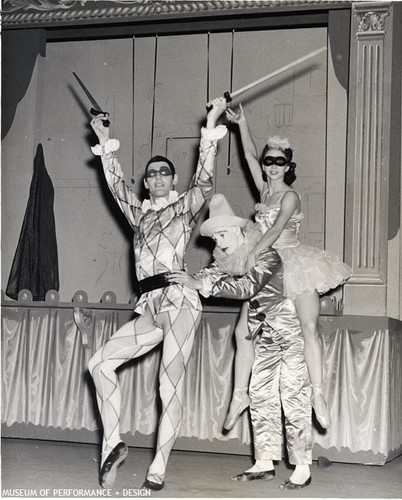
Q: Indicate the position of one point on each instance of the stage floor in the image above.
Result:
(55, 469)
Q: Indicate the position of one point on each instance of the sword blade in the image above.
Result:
(277, 72)
(88, 94)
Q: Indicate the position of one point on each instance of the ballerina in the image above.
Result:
(308, 271)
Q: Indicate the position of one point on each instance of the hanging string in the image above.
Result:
(154, 94)
(228, 169)
(133, 119)
(208, 44)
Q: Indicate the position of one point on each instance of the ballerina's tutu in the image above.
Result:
(307, 269)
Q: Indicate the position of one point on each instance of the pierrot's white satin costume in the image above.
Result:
(279, 377)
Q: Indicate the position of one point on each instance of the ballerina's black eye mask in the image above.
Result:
(280, 161)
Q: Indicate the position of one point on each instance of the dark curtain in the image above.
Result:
(35, 265)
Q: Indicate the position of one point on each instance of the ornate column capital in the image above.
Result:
(371, 17)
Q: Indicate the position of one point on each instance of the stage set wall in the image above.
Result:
(342, 114)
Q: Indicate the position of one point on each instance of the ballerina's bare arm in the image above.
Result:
(250, 151)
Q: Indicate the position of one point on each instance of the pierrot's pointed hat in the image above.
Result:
(220, 215)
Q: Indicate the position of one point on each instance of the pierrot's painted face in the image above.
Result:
(228, 239)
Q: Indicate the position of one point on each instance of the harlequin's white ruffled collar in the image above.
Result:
(160, 202)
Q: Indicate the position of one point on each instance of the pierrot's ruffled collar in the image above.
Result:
(236, 264)
(160, 202)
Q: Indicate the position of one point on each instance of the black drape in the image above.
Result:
(35, 266)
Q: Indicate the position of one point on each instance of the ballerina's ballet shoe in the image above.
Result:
(156, 485)
(108, 471)
(290, 485)
(320, 408)
(237, 407)
(265, 475)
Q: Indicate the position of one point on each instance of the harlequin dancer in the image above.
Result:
(279, 375)
(308, 271)
(166, 313)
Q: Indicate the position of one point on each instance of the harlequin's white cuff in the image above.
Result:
(110, 146)
(214, 133)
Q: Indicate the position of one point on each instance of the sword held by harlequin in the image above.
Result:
(229, 96)
(96, 110)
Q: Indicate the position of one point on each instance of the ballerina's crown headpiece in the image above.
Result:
(276, 142)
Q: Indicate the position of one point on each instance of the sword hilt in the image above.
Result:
(95, 112)
(226, 95)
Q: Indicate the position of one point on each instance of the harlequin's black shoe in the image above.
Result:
(153, 486)
(154, 481)
(289, 485)
(265, 475)
(108, 471)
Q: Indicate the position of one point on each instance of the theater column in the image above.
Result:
(368, 155)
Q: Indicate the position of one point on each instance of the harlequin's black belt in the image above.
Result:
(153, 283)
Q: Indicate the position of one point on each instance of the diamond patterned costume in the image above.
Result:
(170, 315)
